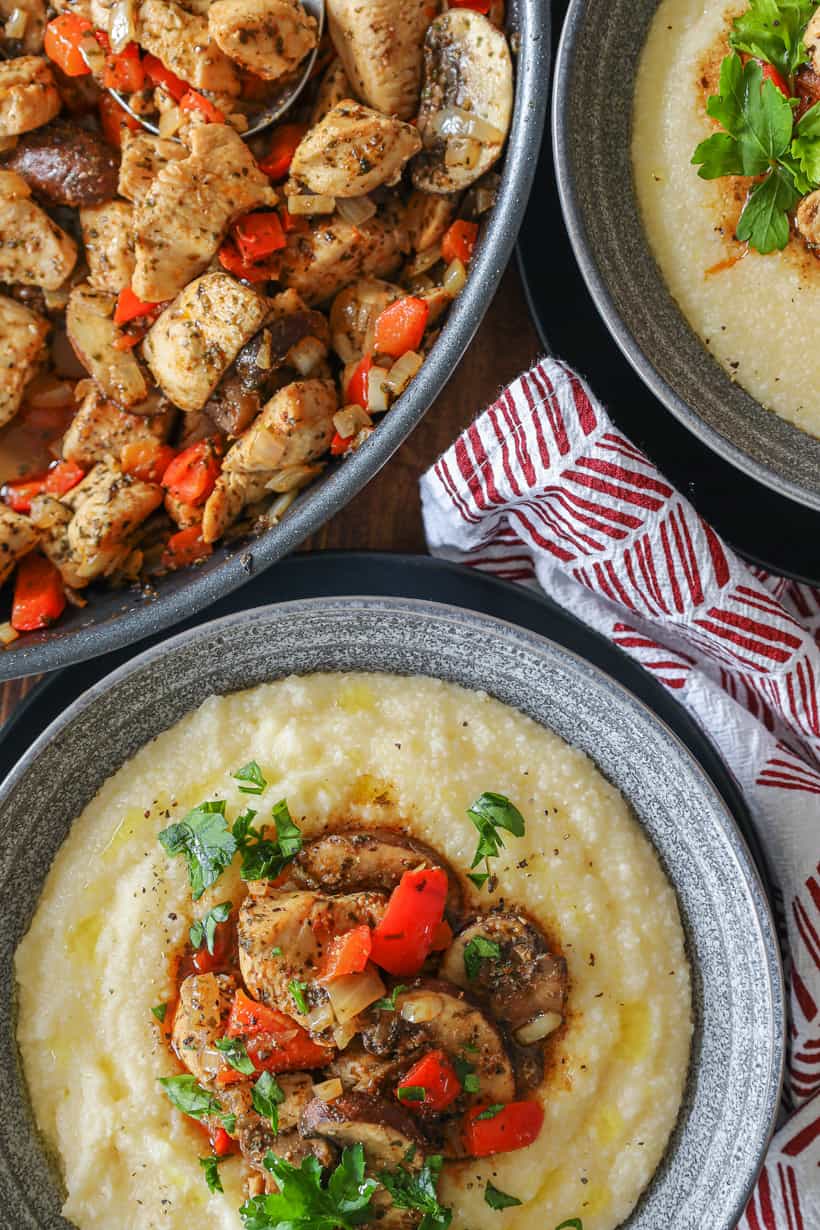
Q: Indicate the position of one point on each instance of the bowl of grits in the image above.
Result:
(704, 268)
(377, 912)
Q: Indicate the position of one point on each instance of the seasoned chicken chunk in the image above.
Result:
(333, 87)
(269, 38)
(294, 427)
(352, 151)
(108, 233)
(199, 335)
(811, 40)
(183, 42)
(808, 218)
(33, 249)
(17, 537)
(329, 256)
(428, 217)
(200, 1020)
(28, 95)
(380, 45)
(184, 217)
(22, 349)
(99, 429)
(232, 493)
(93, 334)
(143, 157)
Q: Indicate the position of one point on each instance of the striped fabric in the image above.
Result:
(544, 490)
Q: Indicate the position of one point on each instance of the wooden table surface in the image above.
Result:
(385, 516)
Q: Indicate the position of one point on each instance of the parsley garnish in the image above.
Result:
(160, 1011)
(211, 1167)
(205, 928)
(303, 1203)
(574, 1223)
(490, 1112)
(388, 1003)
(263, 858)
(297, 990)
(489, 813)
(772, 30)
(497, 1199)
(187, 1095)
(267, 1096)
(236, 1054)
(467, 1075)
(411, 1093)
(411, 1190)
(477, 950)
(276, 952)
(206, 841)
(253, 776)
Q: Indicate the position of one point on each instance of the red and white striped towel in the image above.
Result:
(543, 489)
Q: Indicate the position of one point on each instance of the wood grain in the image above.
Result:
(385, 516)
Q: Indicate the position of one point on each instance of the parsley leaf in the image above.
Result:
(211, 1167)
(388, 1002)
(497, 1199)
(477, 950)
(303, 1203)
(489, 813)
(236, 1054)
(805, 148)
(297, 990)
(187, 1095)
(267, 1096)
(204, 838)
(253, 776)
(160, 1011)
(467, 1075)
(411, 1093)
(204, 929)
(772, 30)
(262, 858)
(418, 1190)
(574, 1223)
(764, 221)
(490, 1112)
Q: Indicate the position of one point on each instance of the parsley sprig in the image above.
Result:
(476, 950)
(419, 1190)
(204, 929)
(489, 813)
(267, 1096)
(236, 1055)
(772, 30)
(303, 1202)
(187, 1095)
(496, 1199)
(210, 1165)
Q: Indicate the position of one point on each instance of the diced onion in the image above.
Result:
(455, 275)
(423, 260)
(320, 1018)
(263, 357)
(305, 355)
(311, 204)
(352, 993)
(484, 199)
(377, 390)
(538, 1028)
(49, 392)
(265, 450)
(291, 478)
(462, 152)
(75, 598)
(344, 1034)
(344, 347)
(421, 1009)
(279, 507)
(7, 634)
(455, 122)
(169, 122)
(350, 419)
(356, 209)
(328, 1091)
(16, 23)
(403, 371)
(122, 25)
(93, 54)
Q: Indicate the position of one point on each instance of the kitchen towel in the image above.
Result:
(543, 489)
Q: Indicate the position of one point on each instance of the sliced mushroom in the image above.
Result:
(362, 1072)
(387, 1132)
(200, 1021)
(93, 335)
(379, 45)
(466, 101)
(67, 164)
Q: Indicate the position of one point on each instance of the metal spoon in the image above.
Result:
(280, 104)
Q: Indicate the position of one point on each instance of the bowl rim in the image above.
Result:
(604, 302)
(743, 863)
(39, 652)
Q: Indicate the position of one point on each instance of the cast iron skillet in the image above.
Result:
(113, 619)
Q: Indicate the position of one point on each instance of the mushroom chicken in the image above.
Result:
(355, 1001)
(191, 325)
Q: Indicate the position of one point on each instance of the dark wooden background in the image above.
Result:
(385, 516)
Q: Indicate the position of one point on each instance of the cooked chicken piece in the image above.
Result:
(183, 219)
(22, 349)
(428, 217)
(380, 47)
(108, 233)
(352, 151)
(28, 95)
(466, 101)
(353, 316)
(199, 335)
(301, 924)
(93, 334)
(17, 537)
(143, 157)
(33, 249)
(200, 1020)
(99, 429)
(182, 514)
(296, 426)
(329, 256)
(30, 42)
(333, 87)
(811, 40)
(808, 218)
(361, 1072)
(231, 493)
(269, 38)
(387, 1131)
(184, 43)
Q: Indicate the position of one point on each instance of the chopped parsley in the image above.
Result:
(388, 1003)
(304, 1203)
(411, 1093)
(204, 929)
(160, 1011)
(262, 857)
(574, 1223)
(236, 1054)
(187, 1095)
(206, 841)
(211, 1167)
(490, 1112)
(297, 990)
(490, 813)
(477, 950)
(252, 776)
(267, 1096)
(497, 1199)
(467, 1075)
(419, 1190)
(276, 952)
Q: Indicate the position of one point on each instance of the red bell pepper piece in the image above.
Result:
(130, 307)
(478, 6)
(62, 477)
(356, 394)
(340, 444)
(19, 494)
(192, 100)
(146, 459)
(223, 1145)
(124, 72)
(183, 548)
(292, 222)
(514, 1127)
(62, 41)
(770, 73)
(400, 327)
(39, 597)
(459, 241)
(274, 1041)
(286, 140)
(403, 939)
(112, 118)
(192, 474)
(259, 235)
(258, 271)
(437, 1077)
(158, 74)
(347, 954)
(442, 937)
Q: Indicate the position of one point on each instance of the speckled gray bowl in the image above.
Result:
(592, 112)
(734, 1081)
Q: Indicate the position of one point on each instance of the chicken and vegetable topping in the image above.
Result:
(358, 1021)
(192, 325)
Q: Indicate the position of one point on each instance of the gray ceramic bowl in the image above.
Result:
(116, 618)
(592, 112)
(734, 1081)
